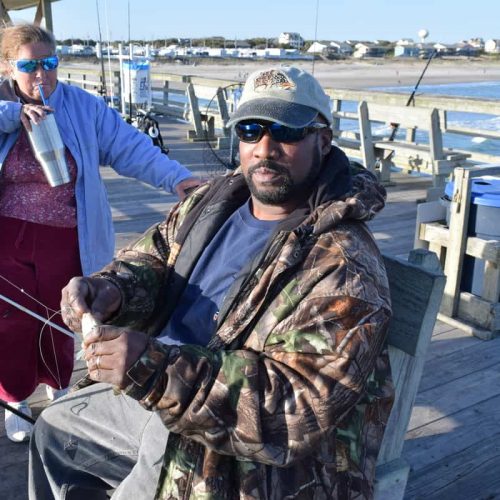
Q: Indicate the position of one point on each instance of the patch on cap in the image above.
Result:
(272, 79)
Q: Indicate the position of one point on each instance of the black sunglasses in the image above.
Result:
(252, 131)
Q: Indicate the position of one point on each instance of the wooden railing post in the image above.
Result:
(165, 92)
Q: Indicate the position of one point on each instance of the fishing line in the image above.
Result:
(34, 299)
(315, 34)
(111, 86)
(47, 323)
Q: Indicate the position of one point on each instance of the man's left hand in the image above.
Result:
(110, 351)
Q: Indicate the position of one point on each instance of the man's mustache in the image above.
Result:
(269, 165)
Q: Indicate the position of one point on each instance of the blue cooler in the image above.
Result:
(484, 223)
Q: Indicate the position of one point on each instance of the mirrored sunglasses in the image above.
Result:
(30, 65)
(252, 131)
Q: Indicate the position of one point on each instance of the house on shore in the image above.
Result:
(317, 48)
(405, 48)
(290, 38)
(492, 46)
(364, 49)
(341, 48)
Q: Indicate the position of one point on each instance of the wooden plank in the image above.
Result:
(467, 327)
(452, 434)
(483, 249)
(336, 107)
(461, 476)
(415, 293)
(403, 115)
(478, 311)
(345, 115)
(455, 396)
(194, 111)
(366, 142)
(415, 296)
(390, 480)
(459, 363)
(422, 149)
(459, 222)
(491, 281)
(454, 339)
(449, 103)
(488, 134)
(440, 328)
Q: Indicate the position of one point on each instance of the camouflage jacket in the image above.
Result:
(290, 397)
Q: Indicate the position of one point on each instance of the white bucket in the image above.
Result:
(137, 81)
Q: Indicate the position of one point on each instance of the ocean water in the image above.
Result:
(484, 90)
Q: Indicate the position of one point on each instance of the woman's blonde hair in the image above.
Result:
(13, 37)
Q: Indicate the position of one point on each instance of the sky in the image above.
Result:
(447, 21)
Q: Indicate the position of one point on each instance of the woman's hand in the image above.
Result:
(186, 186)
(33, 113)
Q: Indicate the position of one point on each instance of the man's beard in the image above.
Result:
(287, 189)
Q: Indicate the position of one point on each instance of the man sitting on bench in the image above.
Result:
(242, 351)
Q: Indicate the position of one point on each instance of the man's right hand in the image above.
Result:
(97, 296)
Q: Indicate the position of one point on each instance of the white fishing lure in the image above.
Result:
(88, 323)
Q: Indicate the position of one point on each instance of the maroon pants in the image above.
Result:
(40, 260)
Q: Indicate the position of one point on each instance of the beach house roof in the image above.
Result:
(405, 41)
(341, 47)
(317, 48)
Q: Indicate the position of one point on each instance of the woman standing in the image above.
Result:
(50, 234)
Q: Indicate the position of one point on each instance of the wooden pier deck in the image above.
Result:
(453, 443)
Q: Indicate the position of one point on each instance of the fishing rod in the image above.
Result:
(395, 126)
(103, 90)
(131, 58)
(16, 412)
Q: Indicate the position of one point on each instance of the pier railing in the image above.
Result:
(170, 98)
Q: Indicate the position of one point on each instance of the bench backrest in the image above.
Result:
(405, 116)
(408, 118)
(416, 290)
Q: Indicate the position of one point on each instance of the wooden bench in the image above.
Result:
(416, 290)
(208, 117)
(382, 154)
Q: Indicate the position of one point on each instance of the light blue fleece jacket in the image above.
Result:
(96, 135)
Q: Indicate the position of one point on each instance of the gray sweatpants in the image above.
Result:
(92, 441)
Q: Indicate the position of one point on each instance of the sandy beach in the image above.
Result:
(353, 74)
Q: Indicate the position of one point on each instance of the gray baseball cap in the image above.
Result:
(288, 95)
